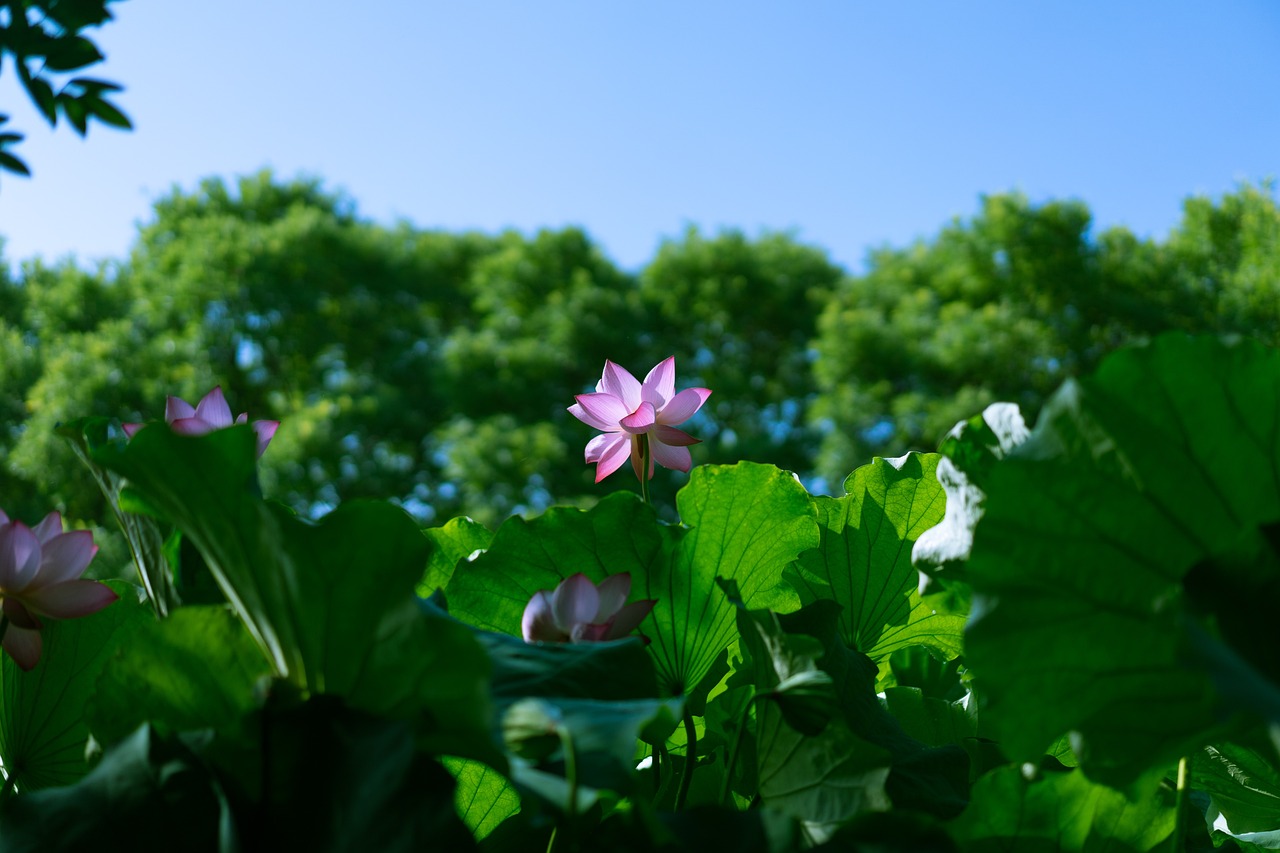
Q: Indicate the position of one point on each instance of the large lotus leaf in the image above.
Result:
(1124, 556)
(197, 669)
(744, 521)
(1020, 808)
(863, 559)
(42, 712)
(332, 605)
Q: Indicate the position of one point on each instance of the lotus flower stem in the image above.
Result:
(690, 759)
(1180, 808)
(644, 466)
(571, 807)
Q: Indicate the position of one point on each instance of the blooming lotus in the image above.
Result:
(627, 410)
(579, 611)
(212, 412)
(40, 572)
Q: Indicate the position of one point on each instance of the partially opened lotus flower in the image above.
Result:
(626, 410)
(40, 572)
(212, 412)
(580, 611)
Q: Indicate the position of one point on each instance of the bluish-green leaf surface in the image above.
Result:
(1125, 574)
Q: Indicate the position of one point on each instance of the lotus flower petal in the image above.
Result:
(266, 430)
(213, 409)
(619, 382)
(66, 556)
(613, 452)
(629, 618)
(574, 602)
(19, 556)
(589, 633)
(49, 527)
(19, 615)
(671, 435)
(190, 426)
(602, 411)
(176, 408)
(23, 645)
(538, 622)
(676, 458)
(613, 592)
(641, 420)
(660, 385)
(39, 576)
(70, 599)
(683, 406)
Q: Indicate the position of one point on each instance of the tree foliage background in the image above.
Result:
(436, 367)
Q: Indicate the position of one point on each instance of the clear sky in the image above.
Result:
(853, 124)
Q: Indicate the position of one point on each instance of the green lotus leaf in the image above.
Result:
(863, 559)
(1124, 572)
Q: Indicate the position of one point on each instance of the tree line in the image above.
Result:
(436, 368)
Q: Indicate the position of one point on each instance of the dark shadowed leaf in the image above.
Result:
(1124, 576)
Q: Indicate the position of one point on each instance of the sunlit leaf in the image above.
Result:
(863, 561)
(484, 798)
(1022, 808)
(196, 669)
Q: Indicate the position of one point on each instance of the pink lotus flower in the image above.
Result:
(211, 413)
(626, 410)
(579, 611)
(40, 572)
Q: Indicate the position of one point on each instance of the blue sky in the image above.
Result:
(854, 124)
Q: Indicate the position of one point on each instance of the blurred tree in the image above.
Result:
(436, 369)
(740, 315)
(544, 315)
(1008, 304)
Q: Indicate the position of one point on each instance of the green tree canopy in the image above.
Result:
(436, 367)
(1007, 304)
